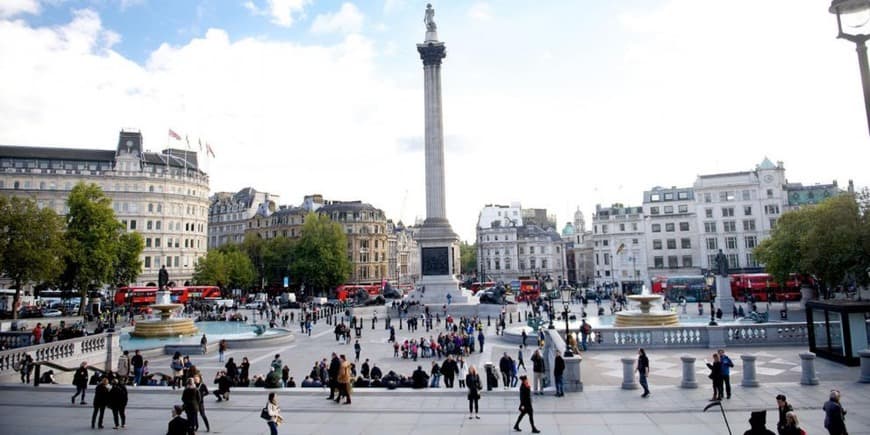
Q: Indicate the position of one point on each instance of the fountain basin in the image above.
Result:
(645, 316)
(164, 328)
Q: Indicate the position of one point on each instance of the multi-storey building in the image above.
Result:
(163, 196)
(509, 248)
(672, 231)
(619, 248)
(736, 210)
(403, 254)
(229, 213)
(366, 230)
(584, 256)
(801, 196)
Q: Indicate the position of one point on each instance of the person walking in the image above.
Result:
(835, 414)
(190, 402)
(137, 362)
(357, 348)
(538, 372)
(101, 400)
(449, 369)
(472, 381)
(716, 376)
(80, 380)
(344, 381)
(27, 368)
(526, 405)
(178, 425)
(274, 414)
(558, 373)
(334, 368)
(203, 393)
(727, 365)
(222, 349)
(784, 408)
(520, 361)
(118, 403)
(643, 371)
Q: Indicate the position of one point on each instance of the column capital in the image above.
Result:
(432, 52)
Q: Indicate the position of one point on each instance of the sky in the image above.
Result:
(552, 104)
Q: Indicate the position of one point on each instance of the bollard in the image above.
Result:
(36, 375)
(865, 366)
(488, 320)
(628, 381)
(748, 371)
(688, 372)
(400, 323)
(511, 317)
(808, 369)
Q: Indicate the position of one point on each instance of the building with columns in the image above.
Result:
(163, 196)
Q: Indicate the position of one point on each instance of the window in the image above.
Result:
(746, 195)
(727, 211)
(606, 260)
(669, 227)
(634, 226)
(731, 242)
(634, 241)
(772, 209)
(747, 210)
(653, 210)
(770, 193)
(750, 242)
(133, 224)
(659, 262)
(733, 261)
(669, 196)
(497, 264)
(708, 197)
(708, 212)
(605, 243)
(669, 209)
(712, 243)
(729, 226)
(656, 228)
(684, 226)
(709, 227)
(687, 261)
(749, 225)
(148, 242)
(683, 208)
(772, 223)
(672, 243)
(158, 224)
(147, 262)
(657, 244)
(726, 196)
(750, 260)
(621, 227)
(655, 197)
(604, 229)
(672, 262)
(686, 243)
(157, 242)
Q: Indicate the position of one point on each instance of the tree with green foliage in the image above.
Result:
(92, 239)
(128, 261)
(255, 248)
(277, 258)
(320, 256)
(31, 244)
(227, 267)
(240, 270)
(830, 241)
(468, 258)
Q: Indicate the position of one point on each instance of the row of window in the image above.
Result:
(749, 242)
(669, 227)
(669, 209)
(668, 196)
(173, 242)
(171, 261)
(685, 243)
(731, 226)
(498, 264)
(731, 195)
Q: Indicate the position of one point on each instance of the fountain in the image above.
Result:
(166, 325)
(645, 316)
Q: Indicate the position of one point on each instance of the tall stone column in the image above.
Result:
(439, 245)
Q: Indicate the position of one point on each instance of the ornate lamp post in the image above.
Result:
(710, 279)
(566, 309)
(855, 13)
(548, 284)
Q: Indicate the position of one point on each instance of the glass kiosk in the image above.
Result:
(839, 329)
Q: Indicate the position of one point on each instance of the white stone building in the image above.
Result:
(229, 213)
(672, 245)
(619, 248)
(163, 196)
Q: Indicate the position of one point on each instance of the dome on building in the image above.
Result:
(568, 230)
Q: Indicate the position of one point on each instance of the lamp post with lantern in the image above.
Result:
(710, 279)
(548, 284)
(856, 14)
(565, 292)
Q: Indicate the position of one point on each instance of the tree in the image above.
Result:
(240, 270)
(31, 244)
(255, 248)
(277, 258)
(128, 263)
(225, 267)
(320, 257)
(92, 239)
(830, 241)
(468, 258)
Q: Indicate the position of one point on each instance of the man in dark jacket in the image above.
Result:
(505, 366)
(223, 382)
(334, 367)
(784, 408)
(526, 405)
(419, 378)
(80, 380)
(118, 404)
(137, 362)
(449, 369)
(178, 424)
(558, 373)
(538, 371)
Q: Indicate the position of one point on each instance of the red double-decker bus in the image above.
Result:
(760, 285)
(144, 296)
(203, 292)
(530, 290)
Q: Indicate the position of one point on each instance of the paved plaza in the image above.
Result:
(602, 408)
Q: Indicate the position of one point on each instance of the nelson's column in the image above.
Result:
(439, 245)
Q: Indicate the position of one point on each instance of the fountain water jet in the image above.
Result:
(645, 316)
(166, 325)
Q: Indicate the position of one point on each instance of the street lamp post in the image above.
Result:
(548, 284)
(850, 9)
(710, 279)
(566, 302)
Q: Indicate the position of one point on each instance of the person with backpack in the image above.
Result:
(727, 365)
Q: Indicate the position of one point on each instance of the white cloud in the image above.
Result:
(480, 11)
(348, 19)
(282, 11)
(11, 8)
(391, 6)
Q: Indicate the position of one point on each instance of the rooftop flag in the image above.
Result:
(174, 135)
(209, 150)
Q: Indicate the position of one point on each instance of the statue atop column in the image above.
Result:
(721, 264)
(429, 18)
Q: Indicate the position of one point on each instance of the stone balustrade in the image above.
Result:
(97, 349)
(694, 336)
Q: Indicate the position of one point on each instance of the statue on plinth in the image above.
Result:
(162, 278)
(721, 264)
(429, 18)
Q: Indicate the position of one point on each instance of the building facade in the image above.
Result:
(618, 246)
(403, 254)
(672, 247)
(163, 196)
(229, 213)
(366, 230)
